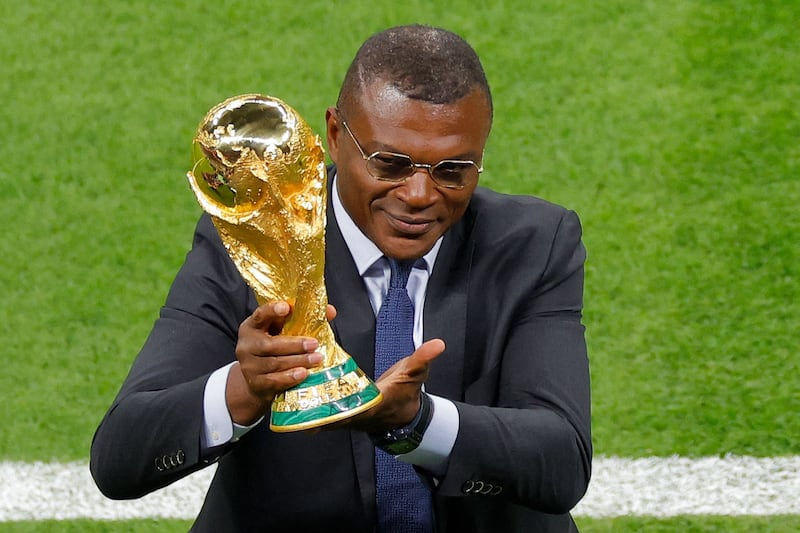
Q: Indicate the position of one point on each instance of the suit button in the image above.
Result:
(466, 488)
(487, 488)
(497, 489)
(159, 464)
(181, 457)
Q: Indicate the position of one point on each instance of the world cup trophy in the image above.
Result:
(259, 171)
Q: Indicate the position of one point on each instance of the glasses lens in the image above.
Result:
(453, 173)
(388, 166)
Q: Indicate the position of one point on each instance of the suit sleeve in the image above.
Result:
(524, 433)
(150, 436)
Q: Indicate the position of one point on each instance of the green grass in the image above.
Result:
(693, 524)
(671, 127)
(91, 526)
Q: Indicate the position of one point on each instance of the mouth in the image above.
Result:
(410, 225)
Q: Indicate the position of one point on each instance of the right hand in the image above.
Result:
(268, 362)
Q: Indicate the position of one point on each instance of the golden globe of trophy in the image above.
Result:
(259, 171)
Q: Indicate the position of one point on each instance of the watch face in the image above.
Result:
(401, 447)
(401, 441)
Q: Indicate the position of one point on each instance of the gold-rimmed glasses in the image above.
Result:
(394, 167)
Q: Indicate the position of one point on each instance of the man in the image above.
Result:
(495, 383)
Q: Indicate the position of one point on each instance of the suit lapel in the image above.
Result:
(354, 325)
(445, 314)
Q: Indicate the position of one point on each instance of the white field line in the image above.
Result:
(661, 487)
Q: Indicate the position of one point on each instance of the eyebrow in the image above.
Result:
(382, 147)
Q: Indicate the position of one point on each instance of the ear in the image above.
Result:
(332, 131)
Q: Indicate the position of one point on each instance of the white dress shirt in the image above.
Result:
(437, 443)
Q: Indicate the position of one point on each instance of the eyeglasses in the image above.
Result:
(390, 166)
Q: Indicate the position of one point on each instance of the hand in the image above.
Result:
(401, 386)
(268, 362)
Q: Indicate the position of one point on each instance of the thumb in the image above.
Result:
(428, 351)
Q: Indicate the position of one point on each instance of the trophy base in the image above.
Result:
(324, 397)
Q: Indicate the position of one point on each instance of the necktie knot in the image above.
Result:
(400, 271)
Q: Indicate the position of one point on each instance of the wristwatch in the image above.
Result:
(407, 438)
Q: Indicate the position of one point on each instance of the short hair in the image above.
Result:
(422, 62)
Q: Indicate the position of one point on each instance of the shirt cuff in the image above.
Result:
(218, 428)
(433, 452)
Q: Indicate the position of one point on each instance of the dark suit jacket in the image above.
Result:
(506, 296)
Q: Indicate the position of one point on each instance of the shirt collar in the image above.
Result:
(364, 252)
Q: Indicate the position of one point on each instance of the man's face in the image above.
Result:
(405, 219)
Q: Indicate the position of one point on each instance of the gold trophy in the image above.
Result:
(259, 171)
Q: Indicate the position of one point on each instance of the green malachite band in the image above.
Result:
(329, 374)
(313, 417)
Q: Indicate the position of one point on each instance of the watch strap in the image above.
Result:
(407, 438)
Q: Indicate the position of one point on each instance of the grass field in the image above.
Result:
(671, 127)
(779, 524)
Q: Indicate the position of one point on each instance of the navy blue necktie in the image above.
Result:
(404, 503)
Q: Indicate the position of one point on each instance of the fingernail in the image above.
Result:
(299, 373)
(281, 308)
(315, 358)
(310, 345)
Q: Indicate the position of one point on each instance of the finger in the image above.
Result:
(270, 316)
(417, 364)
(275, 365)
(330, 312)
(428, 351)
(258, 344)
(276, 382)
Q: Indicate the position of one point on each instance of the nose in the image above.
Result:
(419, 190)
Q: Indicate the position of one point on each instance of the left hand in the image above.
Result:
(401, 386)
